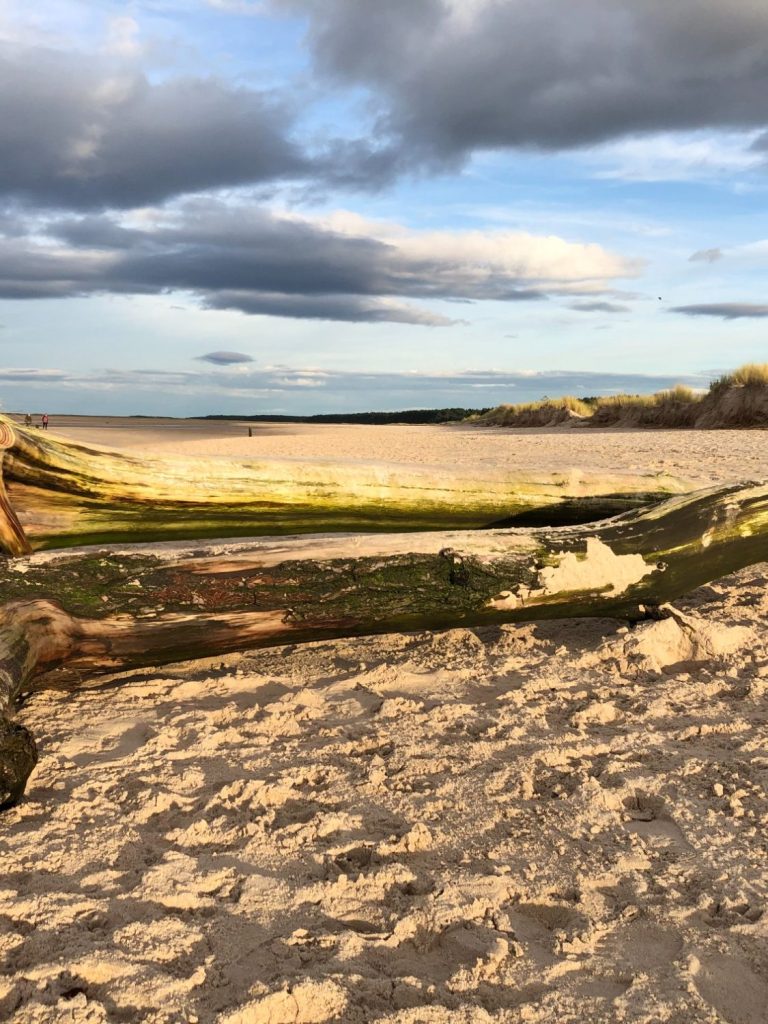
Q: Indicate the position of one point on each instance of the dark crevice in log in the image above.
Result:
(576, 511)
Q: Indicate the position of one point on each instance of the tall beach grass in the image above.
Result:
(736, 399)
(547, 412)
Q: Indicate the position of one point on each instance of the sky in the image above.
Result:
(301, 206)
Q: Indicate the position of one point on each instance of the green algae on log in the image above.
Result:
(56, 493)
(172, 603)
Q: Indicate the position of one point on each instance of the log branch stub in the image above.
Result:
(18, 756)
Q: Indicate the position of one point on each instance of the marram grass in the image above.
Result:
(736, 399)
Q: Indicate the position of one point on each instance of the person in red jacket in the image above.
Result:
(44, 420)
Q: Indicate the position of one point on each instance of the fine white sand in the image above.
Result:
(557, 822)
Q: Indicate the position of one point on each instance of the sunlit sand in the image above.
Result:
(558, 821)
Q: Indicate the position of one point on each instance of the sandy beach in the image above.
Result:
(706, 456)
(555, 822)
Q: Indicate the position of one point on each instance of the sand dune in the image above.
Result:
(553, 822)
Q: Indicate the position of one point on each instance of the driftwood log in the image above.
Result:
(71, 616)
(55, 494)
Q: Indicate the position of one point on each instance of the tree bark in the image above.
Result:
(176, 603)
(61, 494)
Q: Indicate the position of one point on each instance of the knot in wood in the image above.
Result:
(458, 574)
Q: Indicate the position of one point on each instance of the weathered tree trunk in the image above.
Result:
(172, 604)
(61, 494)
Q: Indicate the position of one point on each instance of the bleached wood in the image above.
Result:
(60, 494)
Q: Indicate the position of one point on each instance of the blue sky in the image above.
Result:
(377, 206)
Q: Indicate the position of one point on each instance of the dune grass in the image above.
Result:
(545, 412)
(674, 407)
(678, 395)
(749, 375)
(736, 399)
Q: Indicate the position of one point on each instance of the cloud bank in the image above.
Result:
(445, 79)
(78, 131)
(258, 389)
(103, 155)
(449, 77)
(724, 310)
(259, 261)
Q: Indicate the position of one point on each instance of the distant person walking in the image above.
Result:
(28, 419)
(44, 420)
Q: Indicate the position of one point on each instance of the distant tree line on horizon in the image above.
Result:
(419, 416)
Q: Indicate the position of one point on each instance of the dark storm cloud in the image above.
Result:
(449, 78)
(225, 358)
(29, 271)
(706, 256)
(725, 310)
(600, 307)
(250, 259)
(446, 78)
(349, 308)
(76, 132)
(96, 231)
(212, 246)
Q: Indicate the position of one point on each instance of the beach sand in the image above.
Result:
(705, 456)
(556, 822)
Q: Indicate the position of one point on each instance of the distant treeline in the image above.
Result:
(404, 416)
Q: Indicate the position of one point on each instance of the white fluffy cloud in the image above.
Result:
(471, 261)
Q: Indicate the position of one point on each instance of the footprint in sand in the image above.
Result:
(317, 1002)
(177, 883)
(538, 926)
(652, 821)
(108, 741)
(731, 988)
(642, 945)
(660, 830)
